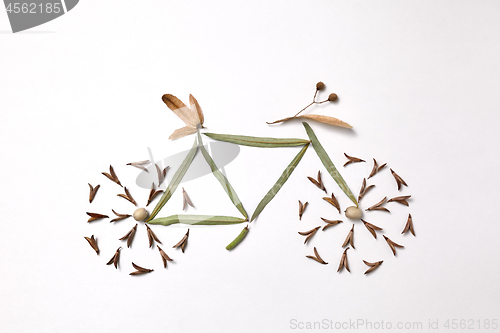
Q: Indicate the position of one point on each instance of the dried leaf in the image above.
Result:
(195, 106)
(302, 208)
(279, 184)
(399, 180)
(222, 179)
(151, 236)
(153, 193)
(350, 238)
(238, 239)
(120, 216)
(319, 183)
(182, 243)
(392, 244)
(140, 270)
(115, 259)
(181, 110)
(409, 226)
(378, 205)
(93, 243)
(96, 216)
(182, 132)
(376, 168)
(253, 141)
(309, 234)
(164, 256)
(185, 200)
(373, 266)
(316, 117)
(401, 199)
(93, 192)
(127, 196)
(172, 186)
(112, 175)
(343, 262)
(371, 228)
(139, 165)
(333, 201)
(364, 189)
(330, 223)
(352, 160)
(197, 219)
(327, 162)
(130, 235)
(317, 257)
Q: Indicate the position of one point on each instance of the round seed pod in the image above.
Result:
(320, 86)
(353, 213)
(140, 214)
(332, 97)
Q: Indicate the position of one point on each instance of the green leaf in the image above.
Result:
(198, 220)
(222, 179)
(253, 141)
(327, 162)
(172, 186)
(281, 181)
(238, 239)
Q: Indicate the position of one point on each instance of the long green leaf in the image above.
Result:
(198, 220)
(281, 181)
(327, 162)
(222, 179)
(253, 141)
(172, 186)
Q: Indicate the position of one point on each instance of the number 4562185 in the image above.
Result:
(33, 8)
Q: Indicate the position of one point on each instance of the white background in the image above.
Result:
(418, 80)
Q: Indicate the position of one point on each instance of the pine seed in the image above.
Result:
(330, 223)
(153, 193)
(317, 257)
(309, 234)
(373, 266)
(93, 192)
(112, 175)
(392, 244)
(401, 199)
(378, 205)
(151, 236)
(130, 235)
(127, 196)
(182, 243)
(343, 262)
(164, 256)
(364, 189)
(409, 226)
(120, 216)
(333, 201)
(352, 160)
(185, 200)
(96, 216)
(371, 228)
(350, 238)
(140, 270)
(139, 165)
(302, 208)
(114, 260)
(93, 243)
(398, 179)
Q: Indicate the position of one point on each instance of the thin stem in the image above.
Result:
(304, 108)
(314, 98)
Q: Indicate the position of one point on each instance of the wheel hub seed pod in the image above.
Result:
(140, 214)
(353, 213)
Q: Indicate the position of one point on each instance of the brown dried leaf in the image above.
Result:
(182, 132)
(364, 189)
(151, 236)
(112, 175)
(317, 257)
(180, 109)
(333, 201)
(140, 270)
(127, 196)
(352, 160)
(309, 233)
(399, 180)
(93, 243)
(115, 259)
(93, 192)
(376, 168)
(402, 199)
(139, 165)
(195, 106)
(120, 216)
(182, 243)
(302, 208)
(316, 117)
(185, 200)
(409, 226)
(371, 228)
(378, 205)
(392, 244)
(130, 235)
(350, 238)
(153, 193)
(96, 216)
(373, 266)
(343, 262)
(330, 223)
(318, 183)
(164, 256)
